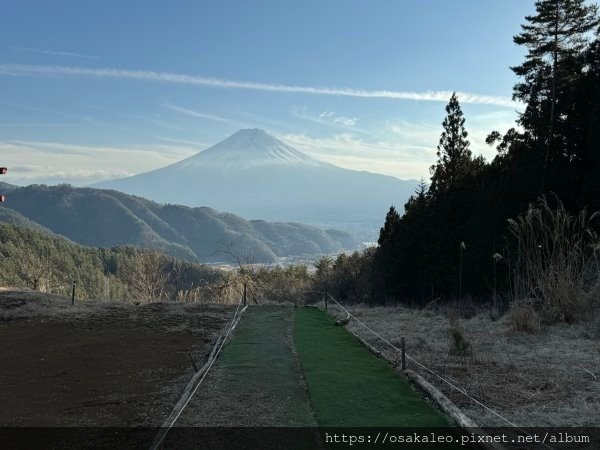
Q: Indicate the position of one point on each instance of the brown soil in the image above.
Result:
(98, 364)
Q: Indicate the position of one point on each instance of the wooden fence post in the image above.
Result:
(244, 294)
(326, 299)
(73, 295)
(403, 348)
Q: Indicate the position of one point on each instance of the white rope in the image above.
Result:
(462, 391)
(231, 326)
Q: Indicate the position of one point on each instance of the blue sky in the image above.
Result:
(94, 90)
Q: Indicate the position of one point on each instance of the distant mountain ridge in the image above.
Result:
(5, 187)
(106, 218)
(257, 175)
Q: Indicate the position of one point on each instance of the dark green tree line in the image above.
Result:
(553, 150)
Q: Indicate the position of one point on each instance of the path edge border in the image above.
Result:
(443, 402)
(187, 391)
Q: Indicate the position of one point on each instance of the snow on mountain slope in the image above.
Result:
(249, 148)
(257, 176)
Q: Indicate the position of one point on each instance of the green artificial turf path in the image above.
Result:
(349, 386)
(257, 379)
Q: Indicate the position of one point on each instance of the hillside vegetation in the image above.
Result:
(104, 218)
(39, 261)
(516, 231)
(444, 243)
(43, 262)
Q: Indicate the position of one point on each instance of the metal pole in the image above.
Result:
(73, 295)
(403, 347)
(244, 294)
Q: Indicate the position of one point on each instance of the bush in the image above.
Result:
(523, 318)
(459, 344)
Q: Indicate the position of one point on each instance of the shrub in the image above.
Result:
(459, 344)
(523, 318)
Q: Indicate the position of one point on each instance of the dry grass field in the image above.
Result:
(98, 364)
(551, 377)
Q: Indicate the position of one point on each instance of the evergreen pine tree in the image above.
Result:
(392, 219)
(419, 198)
(557, 33)
(454, 156)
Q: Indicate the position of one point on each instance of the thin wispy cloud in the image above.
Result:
(193, 113)
(330, 116)
(325, 118)
(352, 152)
(181, 141)
(54, 52)
(205, 116)
(40, 110)
(53, 162)
(143, 152)
(115, 112)
(435, 96)
(35, 173)
(153, 121)
(33, 125)
(90, 176)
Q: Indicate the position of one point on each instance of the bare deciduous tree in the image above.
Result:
(149, 275)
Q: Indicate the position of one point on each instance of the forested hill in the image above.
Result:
(12, 217)
(452, 236)
(105, 218)
(5, 187)
(40, 261)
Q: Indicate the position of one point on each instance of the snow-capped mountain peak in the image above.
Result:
(261, 177)
(250, 148)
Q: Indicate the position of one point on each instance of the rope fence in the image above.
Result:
(234, 321)
(427, 369)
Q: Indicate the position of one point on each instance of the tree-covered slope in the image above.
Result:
(12, 217)
(41, 261)
(106, 218)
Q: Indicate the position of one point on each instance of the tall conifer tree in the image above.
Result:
(556, 33)
(454, 156)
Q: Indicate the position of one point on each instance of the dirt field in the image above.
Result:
(551, 378)
(98, 364)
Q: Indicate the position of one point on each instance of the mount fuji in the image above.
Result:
(256, 175)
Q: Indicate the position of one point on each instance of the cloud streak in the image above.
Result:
(196, 114)
(435, 96)
(54, 52)
(330, 116)
(54, 162)
(382, 156)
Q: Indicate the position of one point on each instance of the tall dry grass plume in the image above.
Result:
(555, 266)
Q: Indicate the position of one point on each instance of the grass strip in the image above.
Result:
(350, 387)
(257, 380)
